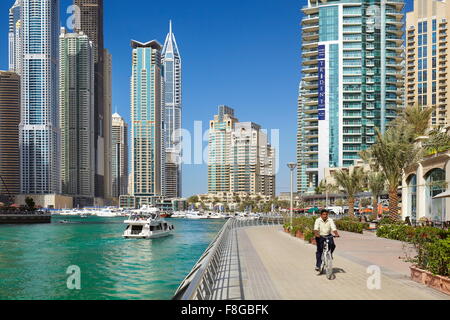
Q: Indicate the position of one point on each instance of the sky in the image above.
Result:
(241, 53)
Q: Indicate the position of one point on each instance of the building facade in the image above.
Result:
(119, 156)
(427, 58)
(352, 63)
(107, 123)
(14, 37)
(91, 24)
(422, 183)
(241, 160)
(147, 113)
(39, 133)
(76, 120)
(9, 133)
(171, 61)
(220, 130)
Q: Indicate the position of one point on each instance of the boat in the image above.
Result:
(179, 215)
(195, 215)
(146, 223)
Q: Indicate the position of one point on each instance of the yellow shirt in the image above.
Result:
(325, 228)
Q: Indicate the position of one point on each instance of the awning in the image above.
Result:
(443, 195)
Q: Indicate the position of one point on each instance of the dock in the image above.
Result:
(257, 260)
(18, 218)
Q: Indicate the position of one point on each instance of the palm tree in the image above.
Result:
(417, 117)
(377, 185)
(393, 152)
(352, 183)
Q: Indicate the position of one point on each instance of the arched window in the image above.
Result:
(412, 197)
(435, 184)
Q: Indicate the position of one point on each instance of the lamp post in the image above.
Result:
(292, 166)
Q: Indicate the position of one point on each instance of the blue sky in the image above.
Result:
(242, 53)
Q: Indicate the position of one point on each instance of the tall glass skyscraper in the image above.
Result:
(119, 159)
(92, 25)
(352, 58)
(14, 37)
(39, 134)
(76, 96)
(147, 114)
(171, 61)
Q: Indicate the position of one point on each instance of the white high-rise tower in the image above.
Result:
(171, 60)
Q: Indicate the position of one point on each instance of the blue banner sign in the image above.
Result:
(322, 83)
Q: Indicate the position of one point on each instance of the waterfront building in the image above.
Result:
(240, 158)
(220, 130)
(427, 83)
(424, 181)
(14, 37)
(39, 133)
(9, 133)
(171, 61)
(119, 156)
(76, 109)
(147, 115)
(91, 24)
(352, 81)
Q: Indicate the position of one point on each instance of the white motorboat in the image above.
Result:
(147, 223)
(215, 216)
(195, 215)
(179, 215)
(106, 213)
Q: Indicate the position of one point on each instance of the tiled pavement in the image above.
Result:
(267, 264)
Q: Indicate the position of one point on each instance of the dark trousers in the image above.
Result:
(320, 246)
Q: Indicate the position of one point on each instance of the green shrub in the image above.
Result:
(351, 226)
(309, 234)
(438, 257)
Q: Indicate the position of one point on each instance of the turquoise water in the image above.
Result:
(34, 259)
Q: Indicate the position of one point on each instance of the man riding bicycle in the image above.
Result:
(323, 228)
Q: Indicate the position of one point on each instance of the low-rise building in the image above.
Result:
(424, 181)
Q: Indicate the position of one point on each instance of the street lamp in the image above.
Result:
(292, 166)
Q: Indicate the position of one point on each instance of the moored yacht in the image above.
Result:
(146, 223)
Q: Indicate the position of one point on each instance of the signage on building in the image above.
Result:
(322, 82)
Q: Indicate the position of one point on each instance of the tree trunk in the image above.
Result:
(351, 206)
(393, 204)
(375, 207)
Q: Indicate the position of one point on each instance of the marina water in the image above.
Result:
(34, 259)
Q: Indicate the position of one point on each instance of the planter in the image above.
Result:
(439, 283)
(300, 235)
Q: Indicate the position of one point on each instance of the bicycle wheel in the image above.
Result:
(329, 266)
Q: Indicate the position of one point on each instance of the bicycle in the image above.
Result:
(327, 259)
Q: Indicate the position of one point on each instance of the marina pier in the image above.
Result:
(257, 260)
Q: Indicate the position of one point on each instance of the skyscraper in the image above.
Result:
(39, 134)
(119, 156)
(92, 25)
(241, 160)
(427, 82)
(171, 61)
(14, 37)
(107, 125)
(147, 114)
(76, 96)
(352, 57)
(9, 133)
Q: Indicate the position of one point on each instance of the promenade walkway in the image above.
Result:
(265, 263)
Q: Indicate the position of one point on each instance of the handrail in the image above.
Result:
(199, 283)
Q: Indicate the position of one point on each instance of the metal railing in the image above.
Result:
(199, 284)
